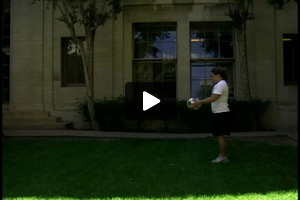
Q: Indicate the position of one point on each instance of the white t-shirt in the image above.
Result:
(221, 104)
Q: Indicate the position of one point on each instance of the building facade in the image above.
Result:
(165, 40)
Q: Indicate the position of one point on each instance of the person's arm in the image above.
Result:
(210, 99)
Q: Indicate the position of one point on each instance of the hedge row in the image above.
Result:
(110, 113)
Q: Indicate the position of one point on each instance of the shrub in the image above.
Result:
(110, 113)
(245, 113)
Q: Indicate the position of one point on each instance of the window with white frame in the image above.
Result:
(211, 45)
(71, 62)
(155, 52)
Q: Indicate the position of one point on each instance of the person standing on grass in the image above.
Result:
(220, 110)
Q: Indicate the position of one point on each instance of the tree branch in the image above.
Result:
(67, 22)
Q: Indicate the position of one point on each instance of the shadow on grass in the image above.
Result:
(104, 168)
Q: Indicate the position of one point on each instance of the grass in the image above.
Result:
(131, 169)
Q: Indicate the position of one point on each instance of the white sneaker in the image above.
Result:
(220, 159)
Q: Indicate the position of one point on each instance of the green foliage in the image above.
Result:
(239, 13)
(89, 13)
(245, 113)
(279, 3)
(110, 113)
(239, 17)
(239, 10)
(191, 120)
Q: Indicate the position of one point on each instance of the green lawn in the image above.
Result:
(90, 168)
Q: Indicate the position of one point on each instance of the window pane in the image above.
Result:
(155, 42)
(201, 80)
(197, 72)
(5, 51)
(5, 58)
(6, 42)
(157, 71)
(155, 34)
(202, 83)
(211, 42)
(155, 52)
(206, 49)
(198, 50)
(169, 50)
(169, 71)
(288, 62)
(140, 50)
(140, 34)
(226, 36)
(5, 96)
(5, 70)
(169, 34)
(72, 64)
(197, 88)
(154, 71)
(143, 72)
(217, 38)
(226, 50)
(5, 82)
(211, 49)
(5, 31)
(212, 36)
(201, 88)
(291, 58)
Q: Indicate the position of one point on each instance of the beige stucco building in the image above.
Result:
(38, 80)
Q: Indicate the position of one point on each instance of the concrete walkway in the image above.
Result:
(102, 134)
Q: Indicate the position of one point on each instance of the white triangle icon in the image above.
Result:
(149, 101)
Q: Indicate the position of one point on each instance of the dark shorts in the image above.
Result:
(221, 124)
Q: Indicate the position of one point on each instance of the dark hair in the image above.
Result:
(220, 71)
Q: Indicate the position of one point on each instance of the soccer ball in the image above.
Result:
(190, 102)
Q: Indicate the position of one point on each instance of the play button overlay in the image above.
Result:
(150, 100)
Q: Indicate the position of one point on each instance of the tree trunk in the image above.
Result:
(242, 44)
(91, 108)
(239, 13)
(88, 65)
(90, 93)
(89, 17)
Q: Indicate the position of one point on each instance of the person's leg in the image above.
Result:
(223, 150)
(219, 130)
(223, 145)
